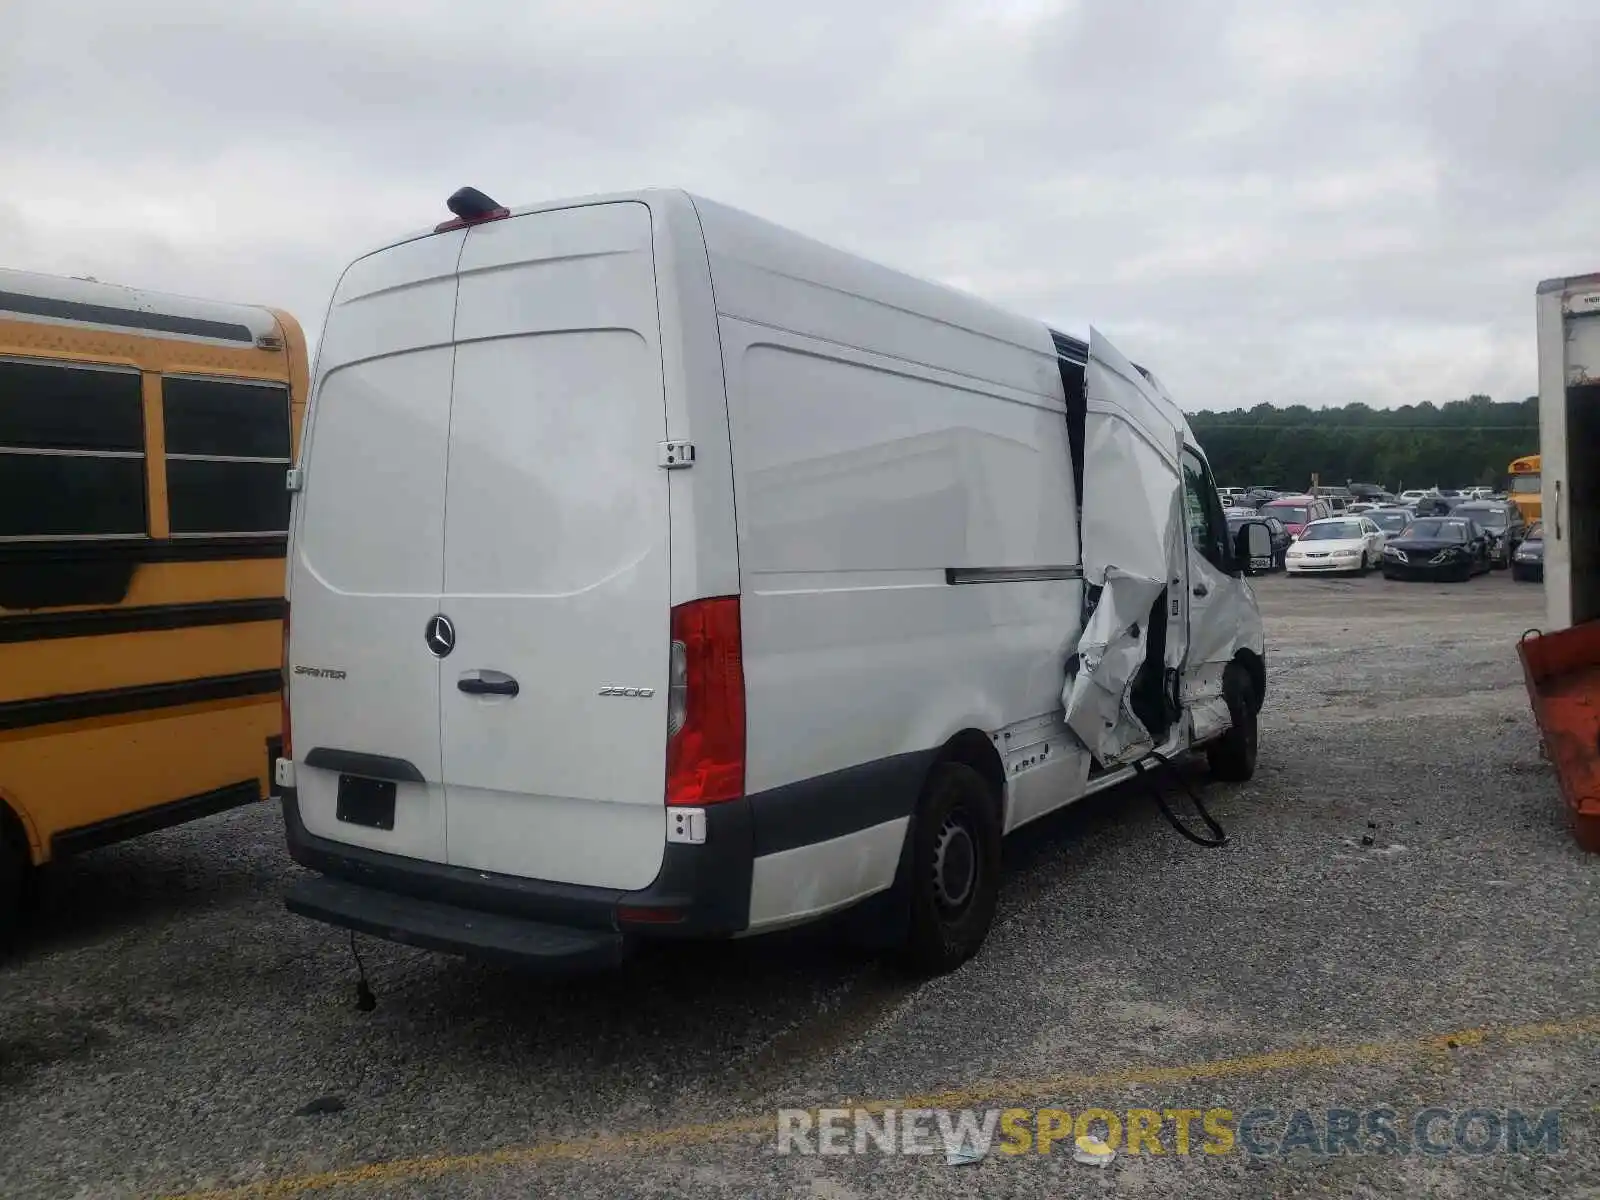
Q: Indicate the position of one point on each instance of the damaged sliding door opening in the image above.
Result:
(1133, 549)
(1168, 614)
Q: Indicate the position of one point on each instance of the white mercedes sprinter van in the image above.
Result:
(657, 572)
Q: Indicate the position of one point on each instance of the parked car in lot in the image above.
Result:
(1412, 495)
(1371, 493)
(1440, 548)
(1338, 498)
(1296, 512)
(1502, 522)
(1280, 535)
(1393, 521)
(1337, 544)
(1527, 564)
(1437, 504)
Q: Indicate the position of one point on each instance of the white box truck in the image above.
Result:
(657, 572)
(1569, 447)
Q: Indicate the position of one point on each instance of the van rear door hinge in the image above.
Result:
(675, 456)
(294, 479)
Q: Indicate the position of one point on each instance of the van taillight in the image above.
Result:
(288, 750)
(705, 733)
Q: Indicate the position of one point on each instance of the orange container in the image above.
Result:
(1562, 670)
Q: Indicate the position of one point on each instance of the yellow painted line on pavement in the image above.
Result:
(979, 1095)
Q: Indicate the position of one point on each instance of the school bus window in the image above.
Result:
(228, 445)
(71, 451)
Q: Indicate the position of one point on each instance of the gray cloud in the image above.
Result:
(1265, 199)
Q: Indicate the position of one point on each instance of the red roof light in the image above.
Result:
(471, 207)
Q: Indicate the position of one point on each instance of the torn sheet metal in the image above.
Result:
(1133, 546)
(1109, 655)
(1202, 696)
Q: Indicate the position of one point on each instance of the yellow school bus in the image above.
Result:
(1525, 486)
(144, 441)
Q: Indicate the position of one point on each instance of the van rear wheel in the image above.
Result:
(955, 870)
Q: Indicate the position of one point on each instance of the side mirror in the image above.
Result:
(1252, 547)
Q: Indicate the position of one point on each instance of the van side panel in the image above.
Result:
(907, 545)
(860, 482)
(765, 273)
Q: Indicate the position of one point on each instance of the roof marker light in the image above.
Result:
(471, 207)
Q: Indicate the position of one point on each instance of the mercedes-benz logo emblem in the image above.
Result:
(440, 635)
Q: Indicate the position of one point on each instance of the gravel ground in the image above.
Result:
(168, 1023)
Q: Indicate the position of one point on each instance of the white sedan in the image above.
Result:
(1337, 544)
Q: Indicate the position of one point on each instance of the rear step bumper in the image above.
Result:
(702, 891)
(513, 941)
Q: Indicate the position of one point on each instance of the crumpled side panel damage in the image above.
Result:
(1135, 553)
(1133, 543)
(1110, 653)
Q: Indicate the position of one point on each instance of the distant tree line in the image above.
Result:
(1459, 444)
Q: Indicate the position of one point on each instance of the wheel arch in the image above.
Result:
(975, 749)
(1255, 669)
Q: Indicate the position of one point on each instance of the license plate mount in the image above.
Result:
(367, 802)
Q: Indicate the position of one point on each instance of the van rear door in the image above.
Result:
(554, 700)
(368, 554)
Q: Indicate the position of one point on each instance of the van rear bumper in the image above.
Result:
(702, 891)
(514, 941)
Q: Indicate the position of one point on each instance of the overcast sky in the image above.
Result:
(1264, 200)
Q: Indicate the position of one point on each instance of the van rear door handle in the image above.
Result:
(488, 683)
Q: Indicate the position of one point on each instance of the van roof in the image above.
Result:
(731, 233)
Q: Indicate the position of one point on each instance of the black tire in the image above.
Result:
(955, 870)
(14, 868)
(1232, 757)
